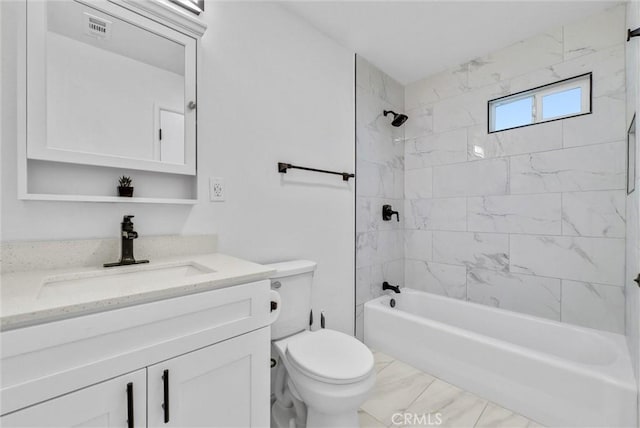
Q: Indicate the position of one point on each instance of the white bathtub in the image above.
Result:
(557, 374)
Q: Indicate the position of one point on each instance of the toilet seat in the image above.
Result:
(330, 356)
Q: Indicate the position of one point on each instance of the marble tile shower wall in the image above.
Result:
(530, 219)
(380, 180)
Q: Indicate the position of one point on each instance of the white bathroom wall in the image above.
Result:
(632, 292)
(271, 88)
(380, 166)
(529, 219)
(275, 90)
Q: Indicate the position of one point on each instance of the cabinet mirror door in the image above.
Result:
(108, 87)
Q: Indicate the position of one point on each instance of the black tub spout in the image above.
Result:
(387, 286)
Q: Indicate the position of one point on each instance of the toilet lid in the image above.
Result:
(331, 356)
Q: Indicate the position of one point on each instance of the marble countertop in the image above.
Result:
(38, 296)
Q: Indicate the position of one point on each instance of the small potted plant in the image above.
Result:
(125, 189)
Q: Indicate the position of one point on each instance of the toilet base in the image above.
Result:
(291, 415)
(281, 416)
(285, 417)
(322, 420)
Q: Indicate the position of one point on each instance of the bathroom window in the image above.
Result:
(560, 100)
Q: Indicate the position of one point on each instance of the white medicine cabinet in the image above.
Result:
(108, 89)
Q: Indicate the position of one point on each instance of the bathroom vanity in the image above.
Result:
(179, 342)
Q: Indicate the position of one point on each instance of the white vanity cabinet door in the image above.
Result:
(101, 405)
(223, 385)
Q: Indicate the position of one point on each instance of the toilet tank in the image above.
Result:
(292, 280)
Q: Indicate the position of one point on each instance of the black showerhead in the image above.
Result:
(398, 118)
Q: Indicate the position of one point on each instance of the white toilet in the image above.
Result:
(322, 377)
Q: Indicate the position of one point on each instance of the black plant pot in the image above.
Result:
(125, 191)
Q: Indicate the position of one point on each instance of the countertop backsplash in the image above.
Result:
(41, 255)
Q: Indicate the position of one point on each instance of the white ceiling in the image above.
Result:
(410, 40)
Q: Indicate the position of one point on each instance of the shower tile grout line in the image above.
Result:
(519, 234)
(508, 156)
(610, 189)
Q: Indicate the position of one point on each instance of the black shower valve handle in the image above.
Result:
(388, 213)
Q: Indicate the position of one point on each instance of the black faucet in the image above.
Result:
(387, 286)
(127, 237)
(388, 212)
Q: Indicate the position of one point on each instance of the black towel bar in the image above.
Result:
(283, 167)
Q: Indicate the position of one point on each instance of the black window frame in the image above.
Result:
(537, 88)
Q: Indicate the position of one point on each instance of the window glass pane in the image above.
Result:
(562, 103)
(512, 114)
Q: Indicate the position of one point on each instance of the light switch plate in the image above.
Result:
(216, 189)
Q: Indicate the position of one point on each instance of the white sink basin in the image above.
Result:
(135, 276)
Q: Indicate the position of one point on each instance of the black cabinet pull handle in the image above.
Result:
(130, 405)
(165, 405)
(637, 280)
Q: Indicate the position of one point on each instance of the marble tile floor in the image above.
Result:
(407, 397)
